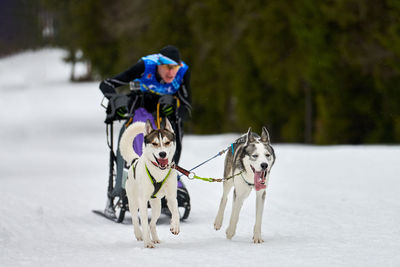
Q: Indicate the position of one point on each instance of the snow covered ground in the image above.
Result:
(325, 206)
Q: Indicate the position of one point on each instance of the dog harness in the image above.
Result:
(157, 185)
(135, 160)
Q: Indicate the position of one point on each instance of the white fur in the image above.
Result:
(140, 188)
(242, 191)
(125, 144)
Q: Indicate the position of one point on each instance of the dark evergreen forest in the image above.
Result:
(319, 72)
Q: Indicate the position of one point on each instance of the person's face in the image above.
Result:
(168, 72)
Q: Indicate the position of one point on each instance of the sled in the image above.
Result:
(117, 201)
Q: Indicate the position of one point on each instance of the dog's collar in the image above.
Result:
(249, 184)
(157, 185)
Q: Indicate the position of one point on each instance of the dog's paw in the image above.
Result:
(229, 233)
(217, 225)
(149, 244)
(156, 241)
(218, 222)
(138, 235)
(257, 240)
(174, 228)
(175, 231)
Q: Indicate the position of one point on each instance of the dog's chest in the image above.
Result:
(154, 182)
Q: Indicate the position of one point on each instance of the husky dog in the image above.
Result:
(249, 163)
(150, 178)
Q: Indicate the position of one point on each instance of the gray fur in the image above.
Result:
(250, 155)
(244, 146)
(152, 133)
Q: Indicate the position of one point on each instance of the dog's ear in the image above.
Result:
(265, 136)
(148, 127)
(248, 136)
(168, 126)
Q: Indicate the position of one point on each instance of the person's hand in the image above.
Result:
(121, 112)
(167, 104)
(168, 110)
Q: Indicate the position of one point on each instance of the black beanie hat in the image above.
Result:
(171, 52)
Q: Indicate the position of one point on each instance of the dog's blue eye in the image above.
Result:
(254, 156)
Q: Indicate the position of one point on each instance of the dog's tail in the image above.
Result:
(126, 142)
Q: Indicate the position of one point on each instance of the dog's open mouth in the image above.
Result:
(259, 179)
(162, 162)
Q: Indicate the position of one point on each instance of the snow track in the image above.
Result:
(325, 206)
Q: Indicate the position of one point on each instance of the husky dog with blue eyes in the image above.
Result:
(250, 163)
(150, 178)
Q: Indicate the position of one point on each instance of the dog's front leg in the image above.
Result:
(133, 205)
(173, 208)
(220, 215)
(260, 200)
(133, 208)
(155, 214)
(145, 223)
(238, 198)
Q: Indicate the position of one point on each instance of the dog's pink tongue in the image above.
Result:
(259, 181)
(163, 162)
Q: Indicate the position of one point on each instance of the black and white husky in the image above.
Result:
(150, 178)
(249, 163)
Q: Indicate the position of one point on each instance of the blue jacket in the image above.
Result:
(149, 83)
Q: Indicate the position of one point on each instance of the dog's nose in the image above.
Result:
(264, 166)
(162, 154)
